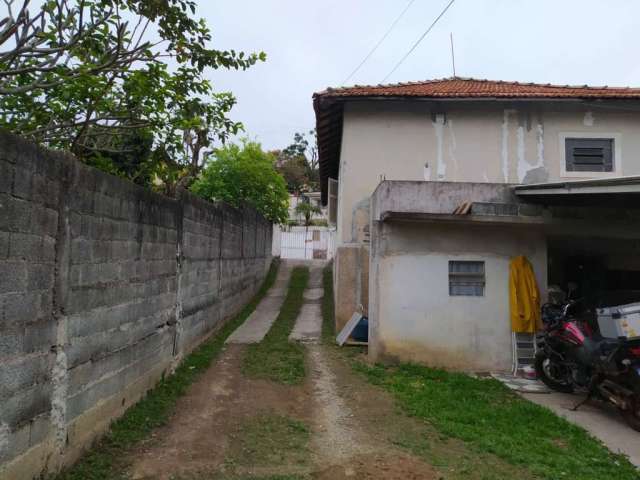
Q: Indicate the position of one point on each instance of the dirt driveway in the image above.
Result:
(333, 425)
(231, 426)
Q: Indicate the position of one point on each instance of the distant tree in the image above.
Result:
(294, 171)
(307, 210)
(245, 174)
(298, 163)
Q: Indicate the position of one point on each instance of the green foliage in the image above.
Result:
(239, 174)
(294, 171)
(104, 460)
(492, 419)
(298, 163)
(307, 210)
(105, 91)
(276, 358)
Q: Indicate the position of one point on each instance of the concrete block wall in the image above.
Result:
(30, 189)
(104, 287)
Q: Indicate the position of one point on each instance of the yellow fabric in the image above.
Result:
(524, 296)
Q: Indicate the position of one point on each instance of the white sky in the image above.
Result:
(314, 44)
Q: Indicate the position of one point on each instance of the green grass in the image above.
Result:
(275, 358)
(104, 460)
(328, 309)
(270, 440)
(490, 418)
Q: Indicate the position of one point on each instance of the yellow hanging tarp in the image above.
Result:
(524, 296)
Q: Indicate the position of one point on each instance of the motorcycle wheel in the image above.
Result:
(545, 373)
(632, 415)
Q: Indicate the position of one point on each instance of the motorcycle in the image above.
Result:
(572, 357)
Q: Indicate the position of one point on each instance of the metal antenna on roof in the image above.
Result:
(453, 57)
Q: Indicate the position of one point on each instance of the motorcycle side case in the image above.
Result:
(620, 321)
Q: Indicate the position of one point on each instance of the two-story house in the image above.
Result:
(435, 186)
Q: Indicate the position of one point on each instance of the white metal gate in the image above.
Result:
(307, 245)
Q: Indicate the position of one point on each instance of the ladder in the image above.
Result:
(524, 350)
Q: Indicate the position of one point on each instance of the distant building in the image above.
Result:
(312, 197)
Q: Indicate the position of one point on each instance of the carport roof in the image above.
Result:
(600, 186)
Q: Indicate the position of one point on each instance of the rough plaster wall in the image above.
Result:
(103, 287)
(415, 318)
(498, 143)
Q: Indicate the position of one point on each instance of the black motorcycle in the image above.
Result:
(572, 357)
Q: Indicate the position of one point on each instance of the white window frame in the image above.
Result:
(617, 154)
(480, 276)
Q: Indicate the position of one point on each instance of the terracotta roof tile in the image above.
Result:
(457, 87)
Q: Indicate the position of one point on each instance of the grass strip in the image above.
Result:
(269, 440)
(490, 418)
(104, 460)
(328, 309)
(276, 358)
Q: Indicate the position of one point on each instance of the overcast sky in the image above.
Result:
(312, 44)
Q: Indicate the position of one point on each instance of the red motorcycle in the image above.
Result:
(572, 357)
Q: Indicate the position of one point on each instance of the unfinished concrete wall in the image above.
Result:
(104, 287)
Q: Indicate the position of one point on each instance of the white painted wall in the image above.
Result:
(276, 240)
(467, 142)
(411, 314)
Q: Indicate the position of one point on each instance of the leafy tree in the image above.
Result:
(298, 163)
(293, 169)
(90, 76)
(244, 173)
(307, 210)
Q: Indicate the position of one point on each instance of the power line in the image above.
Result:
(418, 41)
(379, 43)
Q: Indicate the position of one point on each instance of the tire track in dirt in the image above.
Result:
(198, 437)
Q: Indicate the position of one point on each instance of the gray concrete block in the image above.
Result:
(24, 372)
(48, 253)
(155, 349)
(40, 276)
(40, 429)
(14, 277)
(26, 404)
(19, 307)
(44, 221)
(81, 251)
(11, 341)
(4, 245)
(6, 176)
(492, 208)
(25, 246)
(17, 442)
(18, 215)
(22, 181)
(46, 191)
(40, 336)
